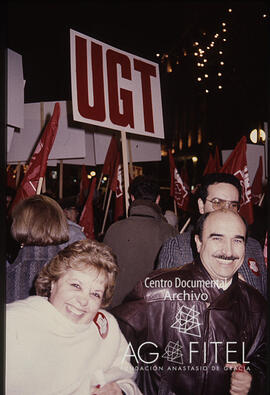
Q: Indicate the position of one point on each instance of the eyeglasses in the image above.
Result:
(220, 203)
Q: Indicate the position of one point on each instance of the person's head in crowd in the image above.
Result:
(219, 190)
(79, 280)
(220, 238)
(10, 194)
(145, 188)
(39, 220)
(70, 208)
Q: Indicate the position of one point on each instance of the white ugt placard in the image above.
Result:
(114, 89)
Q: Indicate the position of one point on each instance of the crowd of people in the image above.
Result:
(147, 309)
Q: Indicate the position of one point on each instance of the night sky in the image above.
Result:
(40, 33)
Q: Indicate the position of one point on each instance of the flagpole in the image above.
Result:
(106, 212)
(185, 226)
(99, 182)
(44, 185)
(105, 195)
(40, 181)
(261, 200)
(125, 166)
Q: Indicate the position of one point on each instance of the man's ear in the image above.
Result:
(201, 206)
(198, 243)
(132, 198)
(157, 199)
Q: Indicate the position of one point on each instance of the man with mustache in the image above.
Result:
(217, 190)
(199, 329)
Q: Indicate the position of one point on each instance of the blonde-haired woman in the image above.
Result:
(62, 341)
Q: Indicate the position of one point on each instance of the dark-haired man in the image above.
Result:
(136, 240)
(198, 329)
(217, 190)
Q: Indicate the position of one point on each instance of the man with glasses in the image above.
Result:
(217, 190)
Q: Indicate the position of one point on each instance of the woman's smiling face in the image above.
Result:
(78, 294)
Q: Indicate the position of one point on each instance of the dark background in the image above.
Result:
(39, 31)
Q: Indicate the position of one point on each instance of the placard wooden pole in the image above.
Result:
(125, 166)
(130, 163)
(42, 116)
(61, 180)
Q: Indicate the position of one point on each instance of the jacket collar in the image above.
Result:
(147, 208)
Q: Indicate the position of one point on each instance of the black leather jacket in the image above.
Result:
(182, 332)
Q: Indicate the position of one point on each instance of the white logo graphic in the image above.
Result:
(180, 189)
(173, 352)
(119, 189)
(187, 321)
(244, 181)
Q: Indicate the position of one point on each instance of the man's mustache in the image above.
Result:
(226, 258)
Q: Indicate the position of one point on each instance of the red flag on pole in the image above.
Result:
(213, 164)
(236, 164)
(110, 159)
(84, 185)
(117, 187)
(38, 164)
(87, 215)
(179, 189)
(184, 175)
(256, 189)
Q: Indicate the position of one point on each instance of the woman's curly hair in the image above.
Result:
(81, 255)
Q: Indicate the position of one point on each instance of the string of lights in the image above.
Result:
(208, 54)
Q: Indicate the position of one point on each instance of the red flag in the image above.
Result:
(84, 185)
(117, 187)
(110, 159)
(213, 164)
(179, 189)
(38, 164)
(87, 215)
(236, 164)
(184, 175)
(256, 189)
(217, 160)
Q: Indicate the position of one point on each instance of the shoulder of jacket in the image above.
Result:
(255, 297)
(251, 242)
(168, 273)
(179, 238)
